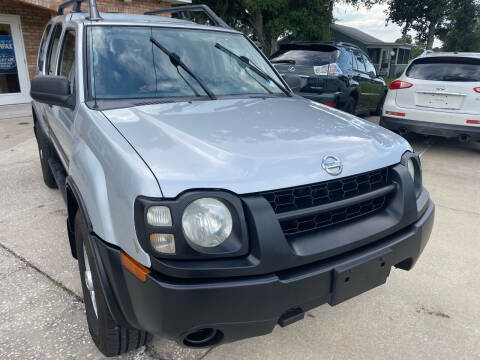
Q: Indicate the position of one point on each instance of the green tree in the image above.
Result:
(267, 21)
(462, 30)
(426, 17)
(417, 47)
(405, 39)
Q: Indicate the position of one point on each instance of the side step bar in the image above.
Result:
(60, 176)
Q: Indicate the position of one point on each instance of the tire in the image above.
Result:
(379, 110)
(45, 152)
(111, 338)
(350, 106)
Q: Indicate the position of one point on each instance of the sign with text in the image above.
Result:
(8, 63)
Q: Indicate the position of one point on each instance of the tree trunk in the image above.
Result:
(273, 47)
(431, 35)
(259, 32)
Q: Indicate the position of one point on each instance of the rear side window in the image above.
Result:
(53, 49)
(41, 50)
(445, 69)
(346, 60)
(306, 57)
(360, 61)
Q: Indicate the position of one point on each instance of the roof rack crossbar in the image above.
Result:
(76, 7)
(217, 21)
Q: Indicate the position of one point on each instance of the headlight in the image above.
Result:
(411, 168)
(207, 222)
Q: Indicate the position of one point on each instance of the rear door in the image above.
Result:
(443, 84)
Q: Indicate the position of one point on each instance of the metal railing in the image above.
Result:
(181, 10)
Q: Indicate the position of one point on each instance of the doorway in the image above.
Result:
(14, 78)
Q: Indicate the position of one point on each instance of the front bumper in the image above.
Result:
(430, 128)
(242, 307)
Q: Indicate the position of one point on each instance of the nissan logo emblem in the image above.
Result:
(332, 165)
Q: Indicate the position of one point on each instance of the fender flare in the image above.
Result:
(75, 203)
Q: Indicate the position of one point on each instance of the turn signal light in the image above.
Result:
(163, 243)
(475, 122)
(477, 89)
(399, 84)
(132, 265)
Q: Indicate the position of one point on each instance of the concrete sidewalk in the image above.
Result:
(430, 312)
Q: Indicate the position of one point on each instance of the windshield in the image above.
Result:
(445, 69)
(125, 64)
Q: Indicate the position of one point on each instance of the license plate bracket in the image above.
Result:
(356, 277)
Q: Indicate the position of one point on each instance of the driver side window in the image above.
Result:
(53, 50)
(67, 58)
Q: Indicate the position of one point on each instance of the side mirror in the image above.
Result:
(52, 90)
(295, 82)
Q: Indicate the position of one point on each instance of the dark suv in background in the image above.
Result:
(335, 74)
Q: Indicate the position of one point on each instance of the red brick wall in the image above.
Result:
(34, 15)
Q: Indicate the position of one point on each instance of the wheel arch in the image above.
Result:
(75, 203)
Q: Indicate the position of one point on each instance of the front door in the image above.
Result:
(14, 79)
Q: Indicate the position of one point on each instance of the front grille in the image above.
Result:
(326, 219)
(329, 192)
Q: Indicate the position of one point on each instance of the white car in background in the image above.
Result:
(438, 94)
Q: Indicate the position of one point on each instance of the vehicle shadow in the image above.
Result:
(422, 143)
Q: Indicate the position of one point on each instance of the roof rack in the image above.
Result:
(217, 21)
(76, 7)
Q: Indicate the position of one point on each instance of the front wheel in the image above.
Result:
(379, 110)
(111, 338)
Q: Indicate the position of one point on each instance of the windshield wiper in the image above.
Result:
(293, 62)
(246, 61)
(176, 61)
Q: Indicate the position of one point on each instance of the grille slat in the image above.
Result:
(304, 197)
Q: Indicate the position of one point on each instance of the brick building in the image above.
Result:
(21, 27)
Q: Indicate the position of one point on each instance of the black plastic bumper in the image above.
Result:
(429, 128)
(242, 307)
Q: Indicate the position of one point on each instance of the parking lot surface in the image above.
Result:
(428, 313)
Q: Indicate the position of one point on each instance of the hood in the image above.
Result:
(251, 145)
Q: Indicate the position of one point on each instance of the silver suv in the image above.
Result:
(206, 202)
